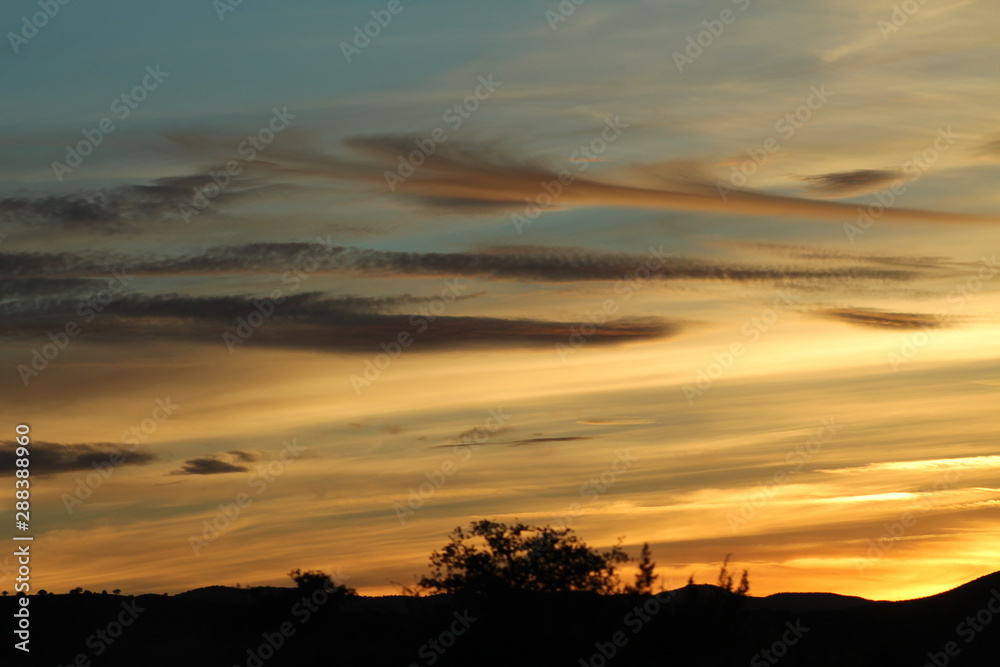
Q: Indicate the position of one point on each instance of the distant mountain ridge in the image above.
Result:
(695, 625)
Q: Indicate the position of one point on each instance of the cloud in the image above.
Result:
(122, 208)
(462, 174)
(245, 457)
(622, 421)
(208, 466)
(991, 149)
(921, 465)
(515, 263)
(49, 458)
(466, 178)
(484, 436)
(34, 288)
(309, 320)
(880, 319)
(477, 434)
(851, 183)
(828, 254)
(539, 441)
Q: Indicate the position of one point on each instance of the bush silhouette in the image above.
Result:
(493, 558)
(314, 580)
(726, 579)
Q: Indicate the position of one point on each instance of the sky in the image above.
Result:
(308, 285)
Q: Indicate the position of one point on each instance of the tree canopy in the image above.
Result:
(313, 580)
(492, 557)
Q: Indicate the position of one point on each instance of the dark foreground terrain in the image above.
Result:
(697, 625)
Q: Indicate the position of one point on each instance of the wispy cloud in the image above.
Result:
(208, 466)
(924, 465)
(460, 175)
(851, 183)
(312, 320)
(522, 263)
(620, 421)
(49, 458)
(880, 319)
(121, 208)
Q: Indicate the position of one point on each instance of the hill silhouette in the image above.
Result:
(693, 625)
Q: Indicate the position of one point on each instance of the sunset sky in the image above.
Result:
(718, 276)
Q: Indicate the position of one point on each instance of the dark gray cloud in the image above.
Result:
(521, 263)
(109, 210)
(851, 183)
(35, 288)
(880, 319)
(486, 437)
(125, 207)
(49, 458)
(29, 316)
(209, 465)
(539, 441)
(307, 320)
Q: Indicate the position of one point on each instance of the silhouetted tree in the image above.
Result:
(744, 586)
(493, 557)
(645, 579)
(117, 591)
(726, 579)
(313, 580)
